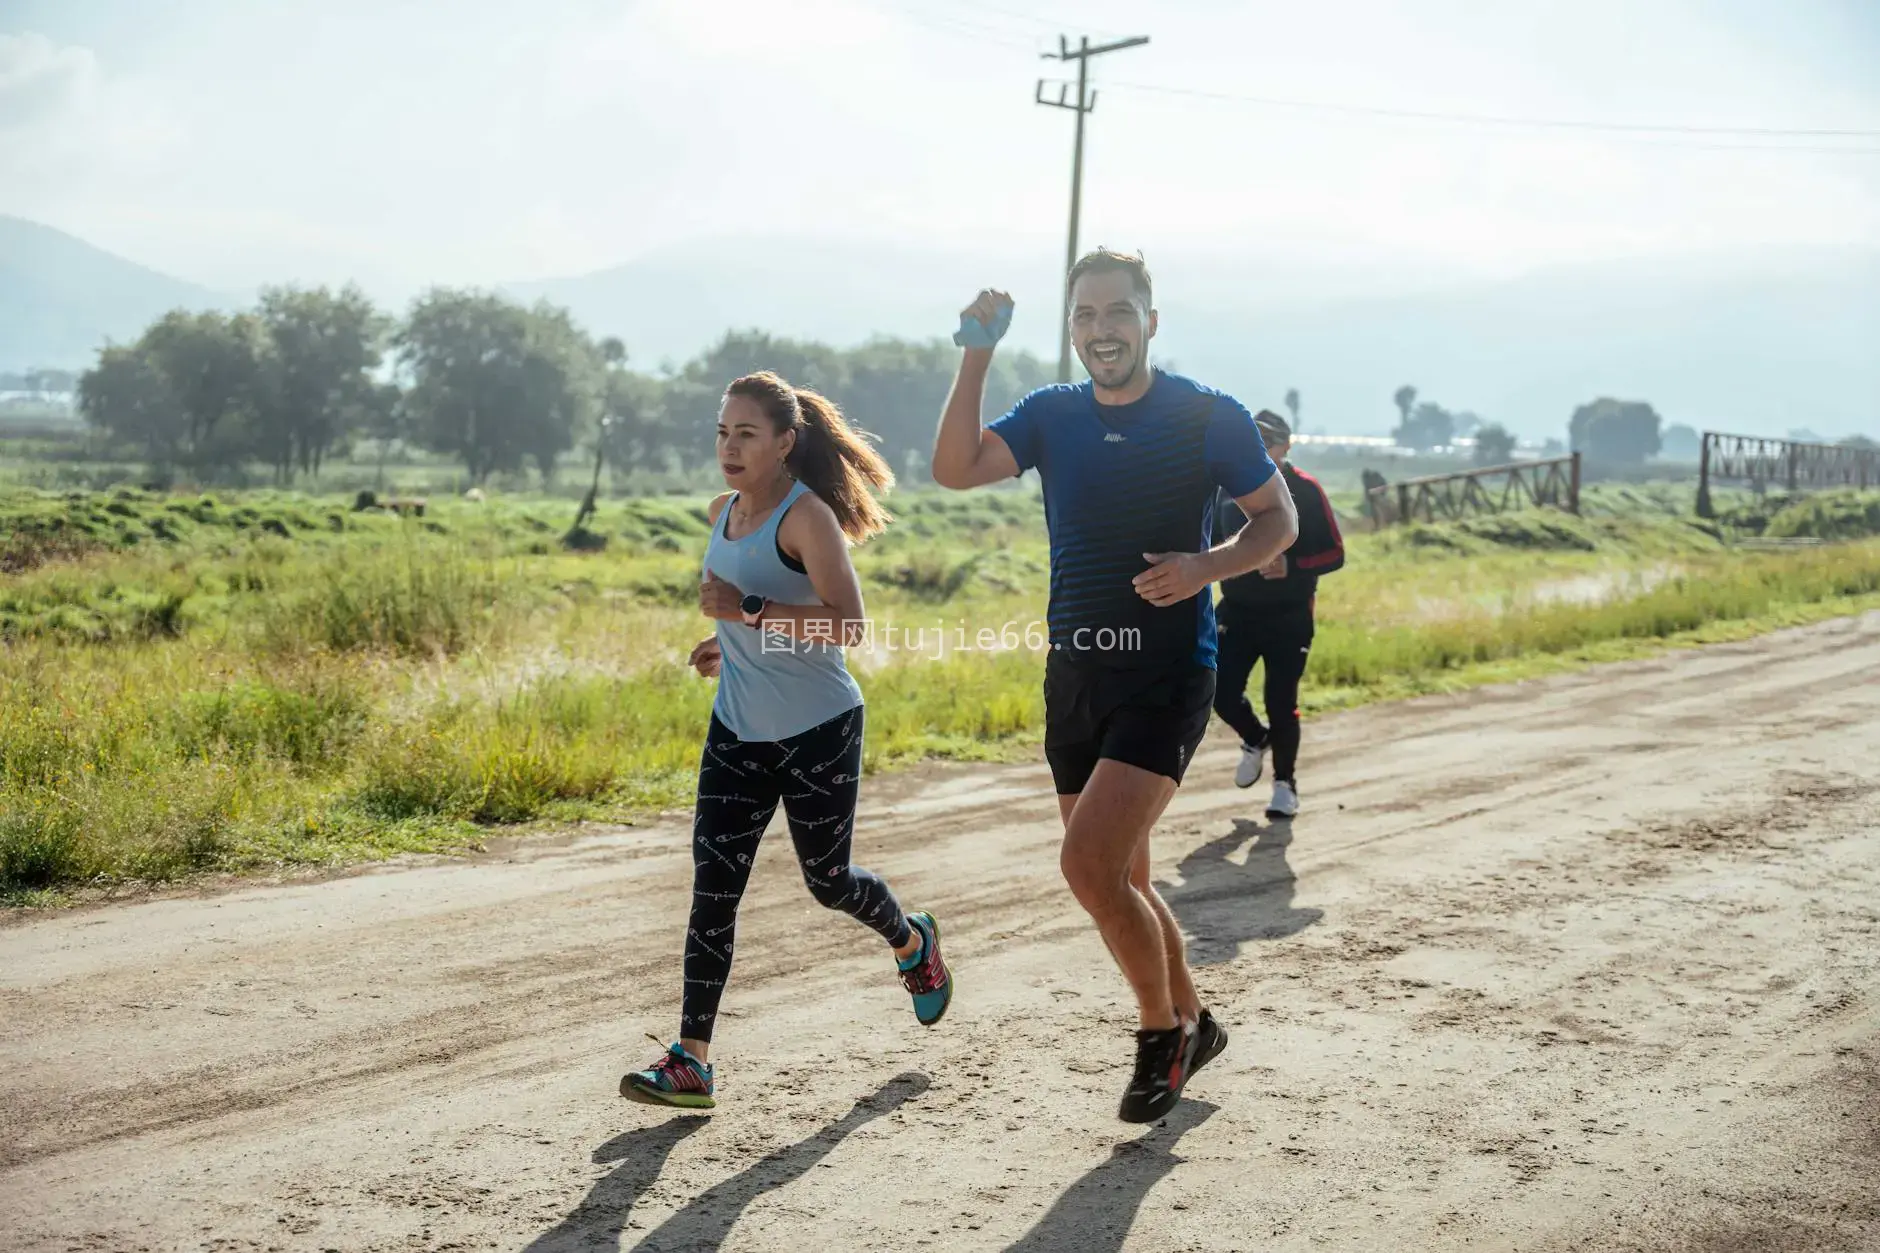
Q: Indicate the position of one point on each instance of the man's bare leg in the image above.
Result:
(1181, 981)
(1107, 831)
(1175, 949)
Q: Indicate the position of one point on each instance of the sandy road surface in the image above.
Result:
(1592, 963)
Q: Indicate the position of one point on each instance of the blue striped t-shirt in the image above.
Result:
(1121, 481)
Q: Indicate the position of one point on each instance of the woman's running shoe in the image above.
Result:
(925, 974)
(677, 1078)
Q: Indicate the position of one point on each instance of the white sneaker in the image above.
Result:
(1252, 764)
(1285, 803)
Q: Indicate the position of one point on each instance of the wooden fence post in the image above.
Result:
(1704, 507)
(1573, 486)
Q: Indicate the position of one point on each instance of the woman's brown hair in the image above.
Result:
(831, 458)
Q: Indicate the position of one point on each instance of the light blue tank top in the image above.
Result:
(776, 687)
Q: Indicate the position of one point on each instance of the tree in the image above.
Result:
(1860, 442)
(1680, 443)
(323, 346)
(563, 389)
(1494, 445)
(463, 352)
(1428, 426)
(497, 384)
(1292, 407)
(1405, 399)
(210, 363)
(128, 398)
(1615, 432)
(55, 381)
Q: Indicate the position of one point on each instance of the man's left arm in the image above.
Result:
(1238, 460)
(1272, 526)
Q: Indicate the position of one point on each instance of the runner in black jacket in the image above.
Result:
(1267, 616)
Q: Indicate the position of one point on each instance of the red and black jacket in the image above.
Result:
(1319, 550)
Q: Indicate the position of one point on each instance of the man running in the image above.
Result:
(1267, 617)
(1130, 462)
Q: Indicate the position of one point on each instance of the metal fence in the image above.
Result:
(1493, 489)
(1782, 464)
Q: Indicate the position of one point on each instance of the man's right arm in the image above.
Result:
(965, 454)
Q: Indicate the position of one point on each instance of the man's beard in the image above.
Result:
(1094, 366)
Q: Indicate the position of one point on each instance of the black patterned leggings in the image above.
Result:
(817, 775)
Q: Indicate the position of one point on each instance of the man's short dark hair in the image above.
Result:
(1273, 428)
(1102, 260)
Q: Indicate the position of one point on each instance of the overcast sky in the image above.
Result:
(236, 142)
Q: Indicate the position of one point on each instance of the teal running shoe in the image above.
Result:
(925, 974)
(677, 1079)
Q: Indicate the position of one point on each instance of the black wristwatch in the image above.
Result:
(753, 607)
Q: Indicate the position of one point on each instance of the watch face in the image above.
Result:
(752, 604)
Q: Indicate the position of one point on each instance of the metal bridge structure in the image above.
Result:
(1782, 464)
(1493, 489)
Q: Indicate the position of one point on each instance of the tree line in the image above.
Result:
(507, 388)
(501, 387)
(52, 381)
(1607, 432)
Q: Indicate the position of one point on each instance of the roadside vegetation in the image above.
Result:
(258, 680)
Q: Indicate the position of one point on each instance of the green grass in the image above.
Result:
(264, 680)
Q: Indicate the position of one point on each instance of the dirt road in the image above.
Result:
(1592, 963)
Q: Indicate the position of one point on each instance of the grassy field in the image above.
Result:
(198, 683)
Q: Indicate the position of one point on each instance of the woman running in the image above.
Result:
(787, 722)
(1268, 616)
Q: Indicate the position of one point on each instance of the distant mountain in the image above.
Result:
(1758, 343)
(672, 303)
(1761, 343)
(61, 298)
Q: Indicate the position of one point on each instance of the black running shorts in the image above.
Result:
(1153, 719)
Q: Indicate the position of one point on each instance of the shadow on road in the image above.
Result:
(1095, 1214)
(602, 1214)
(1222, 906)
(705, 1222)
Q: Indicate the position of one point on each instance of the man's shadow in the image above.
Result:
(703, 1224)
(1222, 906)
(602, 1215)
(1095, 1214)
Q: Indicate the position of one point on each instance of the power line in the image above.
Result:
(968, 29)
(1491, 120)
(1035, 21)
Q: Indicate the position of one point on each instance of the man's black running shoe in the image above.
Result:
(1210, 1039)
(1163, 1061)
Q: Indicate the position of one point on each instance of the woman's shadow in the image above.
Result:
(601, 1217)
(1222, 906)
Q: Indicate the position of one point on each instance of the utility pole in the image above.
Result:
(1085, 102)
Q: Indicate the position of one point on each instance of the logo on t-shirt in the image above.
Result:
(1112, 438)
